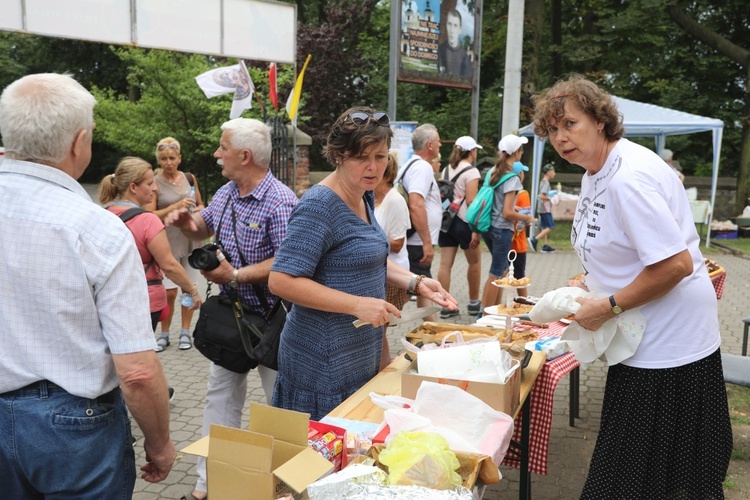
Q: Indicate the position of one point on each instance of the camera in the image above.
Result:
(205, 257)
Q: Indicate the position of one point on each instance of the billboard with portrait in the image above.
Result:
(436, 45)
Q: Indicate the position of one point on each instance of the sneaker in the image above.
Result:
(413, 298)
(162, 343)
(548, 249)
(171, 393)
(447, 313)
(474, 307)
(532, 243)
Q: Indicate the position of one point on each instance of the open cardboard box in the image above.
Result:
(501, 397)
(474, 467)
(270, 459)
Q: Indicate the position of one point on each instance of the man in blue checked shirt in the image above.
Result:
(250, 214)
(75, 330)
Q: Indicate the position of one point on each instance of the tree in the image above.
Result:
(739, 55)
(171, 104)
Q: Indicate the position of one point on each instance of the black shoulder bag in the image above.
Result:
(234, 336)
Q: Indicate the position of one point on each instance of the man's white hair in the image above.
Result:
(253, 135)
(41, 114)
(666, 154)
(422, 135)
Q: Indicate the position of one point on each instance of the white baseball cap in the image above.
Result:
(467, 143)
(511, 143)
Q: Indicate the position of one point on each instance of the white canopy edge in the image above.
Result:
(646, 120)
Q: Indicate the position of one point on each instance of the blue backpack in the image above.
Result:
(479, 213)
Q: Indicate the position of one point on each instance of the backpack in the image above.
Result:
(399, 186)
(479, 213)
(126, 216)
(446, 188)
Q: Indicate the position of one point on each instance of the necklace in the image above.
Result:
(176, 178)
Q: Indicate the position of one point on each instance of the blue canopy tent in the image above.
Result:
(647, 120)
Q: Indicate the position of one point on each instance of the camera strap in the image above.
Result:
(256, 288)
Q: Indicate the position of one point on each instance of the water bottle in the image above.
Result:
(521, 224)
(186, 300)
(192, 196)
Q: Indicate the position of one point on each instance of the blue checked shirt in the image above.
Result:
(259, 228)
(72, 292)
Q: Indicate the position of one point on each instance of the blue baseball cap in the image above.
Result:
(519, 167)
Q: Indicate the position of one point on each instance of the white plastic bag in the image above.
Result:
(484, 362)
(468, 423)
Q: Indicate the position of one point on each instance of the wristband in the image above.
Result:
(412, 282)
(417, 283)
(195, 293)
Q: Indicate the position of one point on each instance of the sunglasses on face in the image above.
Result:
(162, 147)
(361, 118)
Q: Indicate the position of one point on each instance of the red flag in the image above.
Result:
(272, 86)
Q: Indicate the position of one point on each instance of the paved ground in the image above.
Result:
(570, 447)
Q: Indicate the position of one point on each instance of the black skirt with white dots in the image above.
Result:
(665, 434)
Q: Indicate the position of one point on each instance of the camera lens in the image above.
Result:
(204, 258)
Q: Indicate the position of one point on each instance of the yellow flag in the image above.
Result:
(292, 103)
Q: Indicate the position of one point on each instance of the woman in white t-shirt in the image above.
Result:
(461, 168)
(392, 214)
(665, 429)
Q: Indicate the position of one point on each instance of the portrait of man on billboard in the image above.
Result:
(452, 57)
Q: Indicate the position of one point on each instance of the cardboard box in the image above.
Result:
(565, 210)
(502, 397)
(271, 458)
(474, 467)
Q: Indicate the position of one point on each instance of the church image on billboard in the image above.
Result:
(437, 42)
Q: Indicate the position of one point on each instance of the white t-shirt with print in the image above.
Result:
(393, 217)
(459, 189)
(420, 179)
(633, 213)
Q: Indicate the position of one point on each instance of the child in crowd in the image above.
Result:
(523, 205)
(544, 209)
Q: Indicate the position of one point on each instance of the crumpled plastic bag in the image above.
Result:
(421, 459)
(467, 423)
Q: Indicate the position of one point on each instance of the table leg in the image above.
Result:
(574, 381)
(524, 487)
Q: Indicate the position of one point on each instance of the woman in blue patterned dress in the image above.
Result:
(333, 266)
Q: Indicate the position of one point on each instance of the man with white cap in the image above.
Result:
(465, 178)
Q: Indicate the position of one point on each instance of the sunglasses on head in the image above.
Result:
(171, 145)
(360, 118)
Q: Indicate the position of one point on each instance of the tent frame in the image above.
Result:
(647, 120)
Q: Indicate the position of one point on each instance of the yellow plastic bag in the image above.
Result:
(422, 459)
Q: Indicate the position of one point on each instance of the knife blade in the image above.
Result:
(410, 315)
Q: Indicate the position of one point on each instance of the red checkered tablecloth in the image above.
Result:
(542, 401)
(718, 282)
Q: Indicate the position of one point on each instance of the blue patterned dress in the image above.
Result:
(323, 359)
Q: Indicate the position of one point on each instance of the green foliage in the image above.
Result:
(171, 104)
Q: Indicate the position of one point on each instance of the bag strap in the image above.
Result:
(455, 178)
(126, 216)
(504, 178)
(407, 167)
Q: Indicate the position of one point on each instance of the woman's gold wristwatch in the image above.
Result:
(615, 308)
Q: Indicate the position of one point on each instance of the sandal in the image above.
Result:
(162, 343)
(185, 342)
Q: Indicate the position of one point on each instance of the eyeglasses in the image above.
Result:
(171, 145)
(361, 118)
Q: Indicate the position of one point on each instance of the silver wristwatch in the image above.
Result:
(234, 281)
